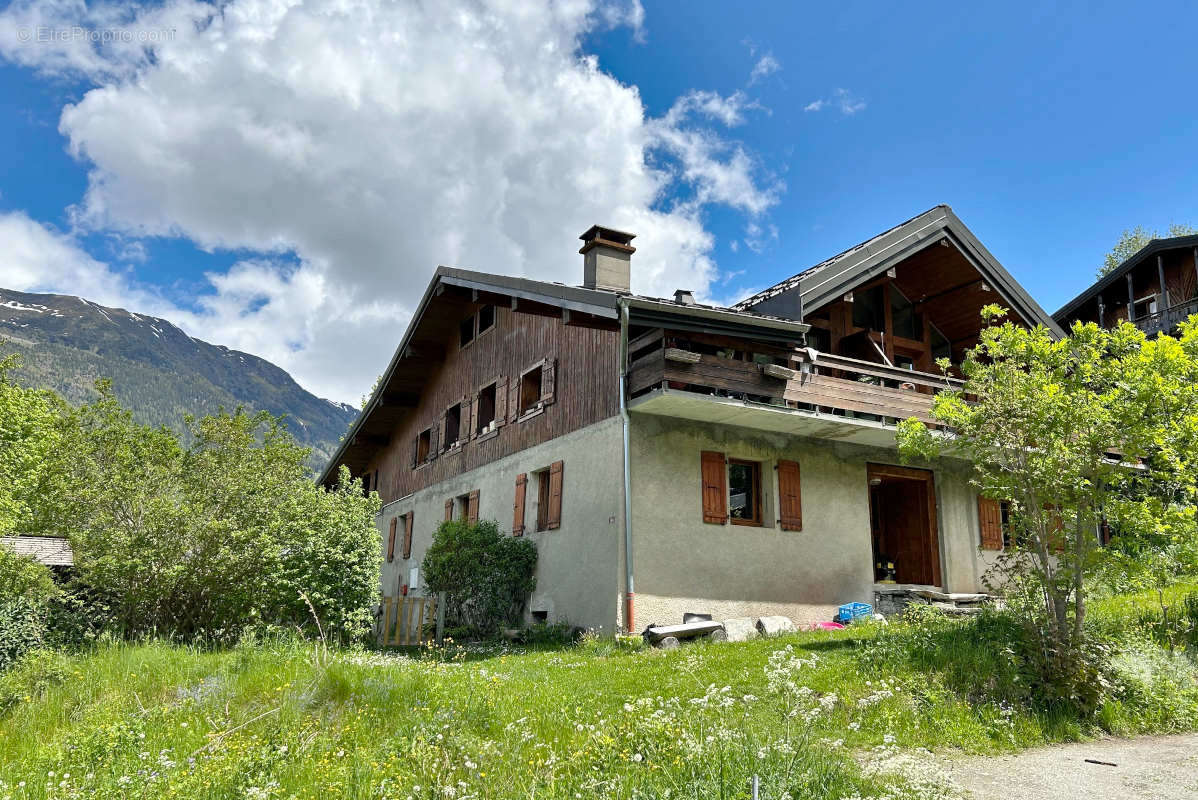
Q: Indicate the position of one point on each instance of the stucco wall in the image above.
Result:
(683, 564)
(578, 565)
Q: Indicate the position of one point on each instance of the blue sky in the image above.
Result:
(292, 201)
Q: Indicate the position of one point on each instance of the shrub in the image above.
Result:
(26, 589)
(486, 576)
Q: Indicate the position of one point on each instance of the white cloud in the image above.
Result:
(843, 100)
(375, 140)
(766, 65)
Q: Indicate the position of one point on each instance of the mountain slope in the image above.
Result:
(159, 372)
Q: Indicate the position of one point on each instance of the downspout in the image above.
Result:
(629, 587)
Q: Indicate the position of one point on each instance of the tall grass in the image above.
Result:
(830, 714)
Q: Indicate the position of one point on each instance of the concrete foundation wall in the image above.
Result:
(578, 565)
(683, 564)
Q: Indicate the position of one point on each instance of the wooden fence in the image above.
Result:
(405, 619)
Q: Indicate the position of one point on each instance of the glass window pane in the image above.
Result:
(741, 491)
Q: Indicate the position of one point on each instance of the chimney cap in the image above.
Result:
(599, 234)
(684, 297)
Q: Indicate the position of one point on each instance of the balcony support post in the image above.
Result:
(1131, 300)
(1160, 274)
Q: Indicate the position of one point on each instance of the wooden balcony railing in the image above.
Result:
(1165, 321)
(799, 379)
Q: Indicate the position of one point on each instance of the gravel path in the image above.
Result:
(1151, 767)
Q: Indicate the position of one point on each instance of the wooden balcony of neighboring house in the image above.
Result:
(1169, 319)
(799, 391)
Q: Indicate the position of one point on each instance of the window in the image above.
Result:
(941, 346)
(903, 319)
(486, 409)
(1146, 306)
(549, 497)
(466, 330)
(867, 309)
(453, 425)
(744, 492)
(424, 445)
(463, 505)
(530, 390)
(543, 500)
(486, 319)
(1011, 536)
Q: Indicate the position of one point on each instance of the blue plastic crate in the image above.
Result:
(851, 611)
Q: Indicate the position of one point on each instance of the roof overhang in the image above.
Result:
(1066, 311)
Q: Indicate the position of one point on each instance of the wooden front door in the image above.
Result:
(903, 517)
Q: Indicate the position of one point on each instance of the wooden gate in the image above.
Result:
(404, 620)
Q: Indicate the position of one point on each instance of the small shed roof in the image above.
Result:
(53, 551)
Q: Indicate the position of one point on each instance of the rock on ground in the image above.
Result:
(1150, 767)
(740, 629)
(773, 626)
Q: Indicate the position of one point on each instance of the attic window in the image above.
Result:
(466, 330)
(486, 408)
(530, 390)
(453, 425)
(486, 319)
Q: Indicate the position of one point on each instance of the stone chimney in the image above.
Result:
(607, 259)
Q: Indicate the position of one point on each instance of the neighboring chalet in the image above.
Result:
(1157, 288)
(672, 457)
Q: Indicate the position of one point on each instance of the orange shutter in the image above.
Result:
(518, 507)
(715, 487)
(548, 380)
(449, 510)
(472, 508)
(554, 520)
(391, 542)
(407, 534)
(990, 521)
(791, 495)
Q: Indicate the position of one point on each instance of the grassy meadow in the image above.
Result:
(826, 714)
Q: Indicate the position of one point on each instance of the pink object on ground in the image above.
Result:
(826, 626)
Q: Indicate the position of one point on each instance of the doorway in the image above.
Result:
(902, 514)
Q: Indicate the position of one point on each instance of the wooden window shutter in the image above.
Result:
(518, 506)
(409, 518)
(548, 381)
(472, 508)
(441, 425)
(500, 401)
(554, 519)
(513, 404)
(449, 510)
(715, 487)
(391, 542)
(434, 436)
(473, 415)
(415, 449)
(465, 426)
(990, 521)
(790, 494)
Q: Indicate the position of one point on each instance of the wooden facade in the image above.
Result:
(583, 390)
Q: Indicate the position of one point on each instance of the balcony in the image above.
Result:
(1166, 321)
(803, 392)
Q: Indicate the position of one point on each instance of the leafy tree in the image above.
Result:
(227, 532)
(26, 589)
(29, 441)
(1132, 241)
(486, 576)
(1097, 425)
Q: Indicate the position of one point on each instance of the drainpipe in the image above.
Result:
(629, 587)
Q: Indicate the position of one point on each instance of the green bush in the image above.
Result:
(26, 590)
(486, 576)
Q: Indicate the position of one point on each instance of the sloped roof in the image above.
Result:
(52, 551)
(1155, 246)
(831, 279)
(599, 303)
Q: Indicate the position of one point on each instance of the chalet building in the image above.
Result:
(1156, 289)
(668, 456)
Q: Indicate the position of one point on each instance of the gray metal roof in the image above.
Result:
(831, 279)
(53, 551)
(1155, 246)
